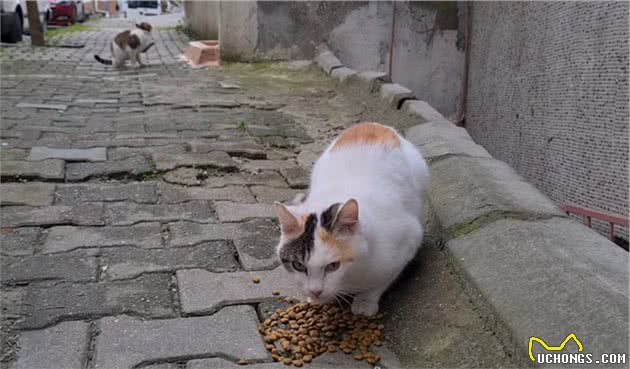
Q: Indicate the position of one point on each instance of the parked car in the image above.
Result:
(135, 8)
(66, 12)
(14, 18)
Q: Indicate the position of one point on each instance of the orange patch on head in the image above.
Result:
(341, 248)
(370, 134)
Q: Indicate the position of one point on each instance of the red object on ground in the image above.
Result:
(589, 214)
(62, 13)
(203, 53)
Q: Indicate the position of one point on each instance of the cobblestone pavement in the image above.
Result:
(137, 205)
(136, 208)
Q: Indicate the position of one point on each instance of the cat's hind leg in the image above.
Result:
(139, 60)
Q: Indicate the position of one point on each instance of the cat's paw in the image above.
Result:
(364, 307)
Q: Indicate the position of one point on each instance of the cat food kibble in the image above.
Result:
(298, 334)
(256, 280)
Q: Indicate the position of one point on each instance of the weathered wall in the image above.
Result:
(203, 18)
(548, 93)
(428, 43)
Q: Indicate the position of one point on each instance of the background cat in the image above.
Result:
(128, 45)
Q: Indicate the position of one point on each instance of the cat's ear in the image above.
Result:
(289, 224)
(347, 218)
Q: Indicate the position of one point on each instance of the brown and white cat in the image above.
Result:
(334, 250)
(128, 45)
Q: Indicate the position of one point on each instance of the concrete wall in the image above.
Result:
(548, 93)
(428, 44)
(203, 18)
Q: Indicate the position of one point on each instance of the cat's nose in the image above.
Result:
(315, 293)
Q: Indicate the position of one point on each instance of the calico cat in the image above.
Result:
(362, 220)
(128, 45)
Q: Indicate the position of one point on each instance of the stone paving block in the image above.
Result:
(463, 189)
(546, 277)
(269, 195)
(258, 165)
(13, 154)
(394, 93)
(42, 106)
(424, 110)
(125, 263)
(96, 101)
(132, 166)
(133, 135)
(19, 241)
(130, 213)
(46, 169)
(143, 193)
(327, 61)
(247, 149)
(77, 267)
(43, 153)
(229, 333)
(228, 211)
(63, 346)
(205, 292)
(296, 177)
(342, 74)
(30, 194)
(119, 153)
(369, 79)
(439, 139)
(215, 159)
(255, 240)
(172, 194)
(21, 216)
(147, 296)
(67, 238)
(265, 177)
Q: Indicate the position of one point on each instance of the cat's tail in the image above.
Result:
(103, 61)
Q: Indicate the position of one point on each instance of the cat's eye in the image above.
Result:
(298, 266)
(332, 267)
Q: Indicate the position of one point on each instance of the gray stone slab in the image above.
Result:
(229, 333)
(143, 193)
(255, 240)
(265, 177)
(46, 169)
(258, 165)
(21, 216)
(229, 211)
(172, 194)
(147, 296)
(75, 267)
(296, 177)
(60, 107)
(129, 213)
(437, 140)
(327, 61)
(370, 79)
(424, 110)
(463, 189)
(30, 194)
(548, 279)
(62, 346)
(96, 101)
(43, 153)
(19, 241)
(269, 195)
(133, 166)
(119, 153)
(246, 149)
(67, 238)
(394, 93)
(215, 159)
(126, 263)
(205, 292)
(342, 74)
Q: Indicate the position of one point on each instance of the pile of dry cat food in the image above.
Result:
(298, 334)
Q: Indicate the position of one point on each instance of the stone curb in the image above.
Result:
(505, 239)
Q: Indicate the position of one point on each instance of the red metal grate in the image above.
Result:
(589, 214)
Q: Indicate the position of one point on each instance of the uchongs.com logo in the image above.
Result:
(554, 354)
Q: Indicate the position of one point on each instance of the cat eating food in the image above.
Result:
(128, 45)
(362, 220)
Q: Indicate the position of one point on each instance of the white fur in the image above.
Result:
(121, 55)
(389, 185)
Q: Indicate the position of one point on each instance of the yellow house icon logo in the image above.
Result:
(571, 336)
